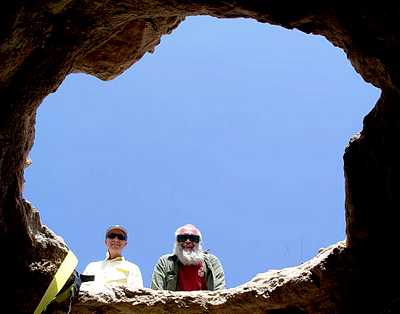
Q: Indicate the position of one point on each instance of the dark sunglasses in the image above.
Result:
(116, 235)
(191, 237)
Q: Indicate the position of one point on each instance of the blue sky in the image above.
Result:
(235, 126)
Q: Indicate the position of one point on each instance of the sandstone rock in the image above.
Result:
(308, 288)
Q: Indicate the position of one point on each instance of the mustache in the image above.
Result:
(189, 257)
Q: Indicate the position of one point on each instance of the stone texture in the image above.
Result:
(309, 288)
(41, 42)
(130, 45)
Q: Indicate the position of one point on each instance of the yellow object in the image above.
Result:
(116, 271)
(60, 278)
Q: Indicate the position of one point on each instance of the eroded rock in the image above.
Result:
(309, 288)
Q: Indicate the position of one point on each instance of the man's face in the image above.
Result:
(188, 238)
(115, 241)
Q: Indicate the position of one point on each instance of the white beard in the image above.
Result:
(189, 257)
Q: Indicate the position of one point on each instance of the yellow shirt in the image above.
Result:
(116, 271)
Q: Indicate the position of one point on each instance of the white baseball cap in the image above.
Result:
(117, 227)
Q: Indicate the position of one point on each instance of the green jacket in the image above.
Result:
(165, 274)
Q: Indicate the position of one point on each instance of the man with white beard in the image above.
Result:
(189, 268)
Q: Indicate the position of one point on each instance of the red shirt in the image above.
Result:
(191, 277)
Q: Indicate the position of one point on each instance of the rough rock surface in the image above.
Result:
(43, 41)
(308, 288)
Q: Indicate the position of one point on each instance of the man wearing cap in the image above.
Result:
(189, 268)
(115, 270)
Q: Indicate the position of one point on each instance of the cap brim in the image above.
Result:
(117, 228)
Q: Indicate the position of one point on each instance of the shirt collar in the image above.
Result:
(118, 258)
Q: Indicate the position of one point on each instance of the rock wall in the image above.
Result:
(43, 41)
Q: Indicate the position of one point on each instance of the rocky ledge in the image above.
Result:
(311, 287)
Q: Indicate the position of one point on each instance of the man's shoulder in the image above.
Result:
(95, 263)
(131, 264)
(92, 266)
(167, 258)
(211, 257)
